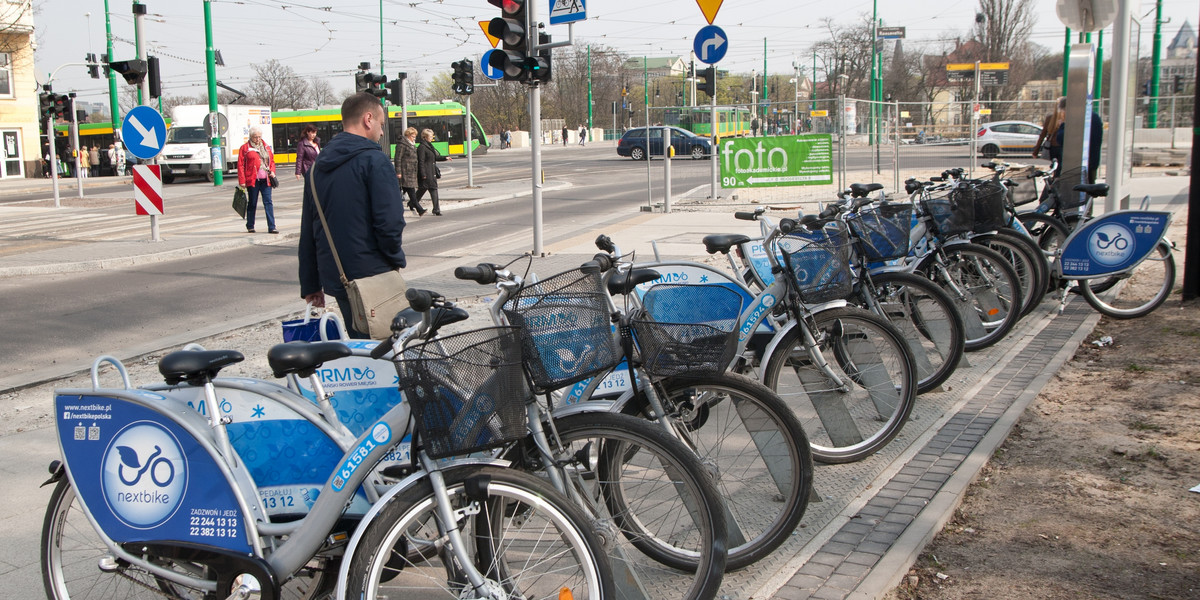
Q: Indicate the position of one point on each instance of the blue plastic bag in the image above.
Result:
(313, 328)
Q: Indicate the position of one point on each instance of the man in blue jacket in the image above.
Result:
(361, 199)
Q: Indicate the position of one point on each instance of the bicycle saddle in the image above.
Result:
(624, 282)
(723, 242)
(1095, 190)
(303, 358)
(859, 190)
(196, 367)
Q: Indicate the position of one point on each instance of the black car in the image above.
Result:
(634, 144)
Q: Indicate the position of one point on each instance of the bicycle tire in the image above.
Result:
(514, 500)
(853, 418)
(658, 495)
(1121, 306)
(926, 315)
(985, 289)
(1026, 260)
(716, 431)
(1049, 232)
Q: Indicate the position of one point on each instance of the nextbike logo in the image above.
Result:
(348, 374)
(144, 475)
(765, 304)
(1111, 244)
(556, 321)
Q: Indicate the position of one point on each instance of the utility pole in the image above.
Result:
(535, 129)
(114, 107)
(1155, 67)
(1066, 59)
(874, 68)
(73, 124)
(765, 97)
(589, 100)
(646, 100)
(216, 154)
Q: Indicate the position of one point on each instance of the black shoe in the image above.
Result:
(437, 213)
(421, 212)
(248, 230)
(272, 231)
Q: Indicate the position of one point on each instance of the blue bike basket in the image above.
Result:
(820, 262)
(952, 212)
(687, 330)
(565, 328)
(883, 230)
(467, 391)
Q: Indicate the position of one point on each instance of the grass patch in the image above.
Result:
(1136, 368)
(1140, 425)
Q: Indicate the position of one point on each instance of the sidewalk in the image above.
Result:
(872, 518)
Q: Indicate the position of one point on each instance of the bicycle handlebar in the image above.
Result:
(483, 273)
(745, 216)
(381, 348)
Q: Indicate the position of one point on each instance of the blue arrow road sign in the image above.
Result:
(144, 132)
(711, 44)
(488, 70)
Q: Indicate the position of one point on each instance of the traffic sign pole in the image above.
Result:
(74, 126)
(139, 12)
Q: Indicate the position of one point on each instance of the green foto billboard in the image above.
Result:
(777, 161)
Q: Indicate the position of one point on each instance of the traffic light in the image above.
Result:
(1178, 84)
(1145, 88)
(370, 82)
(708, 82)
(360, 82)
(93, 65)
(464, 77)
(134, 71)
(155, 81)
(512, 29)
(80, 115)
(394, 94)
(61, 106)
(45, 104)
(540, 67)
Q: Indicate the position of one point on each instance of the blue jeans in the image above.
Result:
(260, 187)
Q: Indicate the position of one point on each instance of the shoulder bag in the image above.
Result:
(374, 300)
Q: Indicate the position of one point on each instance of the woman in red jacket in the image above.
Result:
(256, 169)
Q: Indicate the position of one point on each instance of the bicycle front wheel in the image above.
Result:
(849, 377)
(1026, 259)
(1145, 289)
(753, 448)
(985, 288)
(657, 494)
(523, 537)
(925, 314)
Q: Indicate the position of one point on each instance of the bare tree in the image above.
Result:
(847, 52)
(320, 93)
(277, 85)
(1003, 28)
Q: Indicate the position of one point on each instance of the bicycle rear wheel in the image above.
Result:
(1145, 289)
(852, 385)
(753, 448)
(656, 492)
(1026, 259)
(985, 289)
(525, 539)
(925, 314)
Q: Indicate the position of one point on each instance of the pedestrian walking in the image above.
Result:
(114, 163)
(564, 134)
(1049, 143)
(506, 139)
(256, 170)
(754, 128)
(427, 171)
(405, 163)
(123, 160)
(307, 150)
(361, 204)
(94, 161)
(582, 135)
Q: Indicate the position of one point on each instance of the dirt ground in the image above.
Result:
(1089, 497)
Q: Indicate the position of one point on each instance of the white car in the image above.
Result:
(1007, 137)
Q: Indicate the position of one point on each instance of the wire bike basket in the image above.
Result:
(883, 230)
(1068, 198)
(703, 341)
(820, 262)
(467, 391)
(565, 329)
(991, 205)
(952, 212)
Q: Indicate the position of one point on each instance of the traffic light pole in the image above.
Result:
(114, 106)
(535, 130)
(139, 12)
(712, 126)
(467, 140)
(53, 152)
(74, 121)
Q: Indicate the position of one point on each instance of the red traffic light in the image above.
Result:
(509, 7)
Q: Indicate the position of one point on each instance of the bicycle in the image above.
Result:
(491, 532)
(743, 433)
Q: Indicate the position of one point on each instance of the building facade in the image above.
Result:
(19, 133)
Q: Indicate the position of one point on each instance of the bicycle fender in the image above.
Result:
(404, 484)
(773, 346)
(591, 406)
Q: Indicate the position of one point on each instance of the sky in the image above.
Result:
(328, 38)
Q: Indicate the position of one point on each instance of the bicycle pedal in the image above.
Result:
(338, 538)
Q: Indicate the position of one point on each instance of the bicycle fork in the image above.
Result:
(449, 519)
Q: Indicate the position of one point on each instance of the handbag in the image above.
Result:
(272, 180)
(374, 300)
(239, 201)
(313, 328)
(437, 172)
